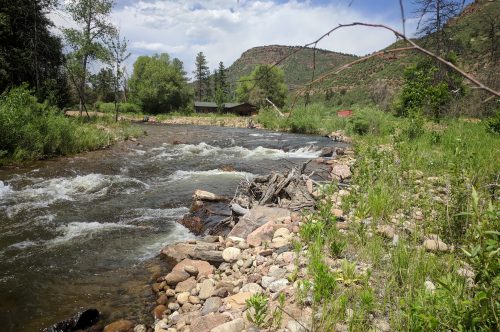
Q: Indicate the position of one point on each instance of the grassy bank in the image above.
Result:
(30, 130)
(414, 183)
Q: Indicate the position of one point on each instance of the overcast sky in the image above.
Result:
(224, 29)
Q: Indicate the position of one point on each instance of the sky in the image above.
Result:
(224, 29)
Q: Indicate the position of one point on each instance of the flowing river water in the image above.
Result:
(84, 231)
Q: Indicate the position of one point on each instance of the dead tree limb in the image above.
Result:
(275, 107)
(415, 46)
(347, 66)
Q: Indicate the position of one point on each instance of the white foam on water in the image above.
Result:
(206, 150)
(24, 244)
(4, 189)
(79, 229)
(44, 193)
(178, 233)
(182, 175)
(144, 214)
(138, 152)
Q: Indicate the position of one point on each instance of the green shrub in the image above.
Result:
(30, 130)
(122, 107)
(494, 123)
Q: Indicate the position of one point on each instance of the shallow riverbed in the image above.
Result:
(83, 231)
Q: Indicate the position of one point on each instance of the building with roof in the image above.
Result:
(243, 109)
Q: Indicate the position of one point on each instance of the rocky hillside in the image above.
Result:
(298, 67)
(378, 79)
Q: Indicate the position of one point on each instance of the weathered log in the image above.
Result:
(202, 195)
(238, 209)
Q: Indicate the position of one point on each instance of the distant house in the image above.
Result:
(244, 109)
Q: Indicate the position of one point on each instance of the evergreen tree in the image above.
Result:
(202, 76)
(29, 52)
(220, 86)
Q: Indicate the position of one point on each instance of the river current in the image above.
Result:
(84, 231)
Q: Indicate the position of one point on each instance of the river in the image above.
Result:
(84, 231)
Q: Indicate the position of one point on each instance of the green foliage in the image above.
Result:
(494, 123)
(30, 130)
(124, 107)
(102, 84)
(258, 309)
(30, 52)
(265, 82)
(427, 89)
(159, 86)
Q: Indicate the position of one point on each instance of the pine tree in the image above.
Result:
(202, 76)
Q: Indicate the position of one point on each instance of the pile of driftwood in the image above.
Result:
(292, 190)
(216, 215)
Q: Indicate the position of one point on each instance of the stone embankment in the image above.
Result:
(212, 278)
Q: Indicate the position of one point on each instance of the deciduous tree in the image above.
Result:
(265, 82)
(118, 50)
(87, 42)
(159, 85)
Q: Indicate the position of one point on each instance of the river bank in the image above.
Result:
(410, 245)
(249, 279)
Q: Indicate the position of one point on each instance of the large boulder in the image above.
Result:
(203, 251)
(238, 301)
(262, 234)
(80, 321)
(236, 325)
(175, 277)
(341, 172)
(256, 217)
(204, 268)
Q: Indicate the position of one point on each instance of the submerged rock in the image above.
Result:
(122, 325)
(80, 321)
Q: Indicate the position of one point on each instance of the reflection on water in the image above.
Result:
(83, 231)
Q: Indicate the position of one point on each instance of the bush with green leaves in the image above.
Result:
(428, 89)
(265, 82)
(123, 107)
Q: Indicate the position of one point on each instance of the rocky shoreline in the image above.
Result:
(213, 280)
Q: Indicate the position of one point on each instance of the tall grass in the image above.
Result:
(421, 178)
(31, 130)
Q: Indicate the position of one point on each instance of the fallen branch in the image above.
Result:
(275, 107)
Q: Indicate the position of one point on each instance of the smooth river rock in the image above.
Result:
(231, 254)
(256, 217)
(120, 326)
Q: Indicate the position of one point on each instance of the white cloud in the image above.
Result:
(222, 30)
